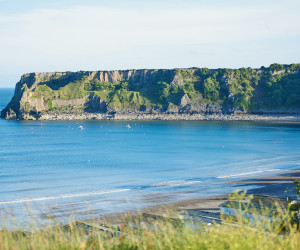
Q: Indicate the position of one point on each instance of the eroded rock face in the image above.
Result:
(31, 103)
(185, 100)
(95, 104)
(9, 114)
(211, 109)
(172, 108)
(80, 102)
(178, 80)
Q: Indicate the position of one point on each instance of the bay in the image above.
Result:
(109, 166)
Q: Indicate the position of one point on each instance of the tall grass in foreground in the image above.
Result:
(147, 233)
(167, 237)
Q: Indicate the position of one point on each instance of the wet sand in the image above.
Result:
(281, 185)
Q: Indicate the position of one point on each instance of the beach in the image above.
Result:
(169, 116)
(206, 209)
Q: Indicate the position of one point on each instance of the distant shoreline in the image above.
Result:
(246, 94)
(140, 116)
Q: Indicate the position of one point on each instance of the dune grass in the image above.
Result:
(139, 232)
(163, 236)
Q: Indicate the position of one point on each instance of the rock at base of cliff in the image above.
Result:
(8, 114)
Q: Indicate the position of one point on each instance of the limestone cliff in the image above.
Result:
(177, 91)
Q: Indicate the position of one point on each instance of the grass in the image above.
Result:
(104, 95)
(161, 235)
(128, 100)
(74, 90)
(43, 91)
(49, 103)
(115, 99)
(142, 232)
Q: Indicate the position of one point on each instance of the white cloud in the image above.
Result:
(87, 37)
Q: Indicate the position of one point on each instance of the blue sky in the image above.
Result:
(41, 36)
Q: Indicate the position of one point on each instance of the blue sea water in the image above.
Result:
(108, 167)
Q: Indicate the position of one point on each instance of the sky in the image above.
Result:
(65, 35)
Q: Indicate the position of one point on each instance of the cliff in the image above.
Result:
(144, 93)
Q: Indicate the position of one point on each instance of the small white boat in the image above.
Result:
(81, 127)
(128, 126)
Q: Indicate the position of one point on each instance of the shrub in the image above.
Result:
(211, 89)
(49, 103)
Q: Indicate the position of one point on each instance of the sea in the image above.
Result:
(91, 168)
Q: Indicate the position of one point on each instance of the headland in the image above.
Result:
(246, 94)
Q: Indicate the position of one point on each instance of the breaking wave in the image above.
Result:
(174, 183)
(64, 196)
(247, 173)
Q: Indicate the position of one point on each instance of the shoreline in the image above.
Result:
(274, 185)
(143, 116)
(205, 207)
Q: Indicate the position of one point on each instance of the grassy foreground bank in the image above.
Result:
(165, 236)
(139, 232)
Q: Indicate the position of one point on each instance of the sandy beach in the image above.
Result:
(207, 208)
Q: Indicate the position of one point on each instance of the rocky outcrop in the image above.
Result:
(95, 104)
(63, 95)
(172, 108)
(80, 102)
(178, 80)
(185, 100)
(9, 114)
(168, 116)
(37, 103)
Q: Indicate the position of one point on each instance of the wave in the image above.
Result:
(64, 196)
(247, 173)
(174, 183)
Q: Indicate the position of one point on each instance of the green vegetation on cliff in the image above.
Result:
(274, 88)
(117, 96)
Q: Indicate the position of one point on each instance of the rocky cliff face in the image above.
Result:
(176, 91)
